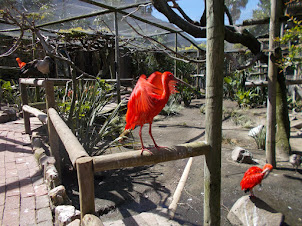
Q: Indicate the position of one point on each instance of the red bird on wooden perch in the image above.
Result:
(147, 99)
(254, 176)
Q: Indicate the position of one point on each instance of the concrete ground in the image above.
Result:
(127, 192)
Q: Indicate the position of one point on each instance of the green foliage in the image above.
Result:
(77, 32)
(294, 105)
(294, 36)
(234, 88)
(260, 138)
(262, 11)
(184, 71)
(10, 93)
(172, 107)
(91, 122)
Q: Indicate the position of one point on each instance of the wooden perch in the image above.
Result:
(180, 187)
(32, 81)
(39, 114)
(135, 158)
(73, 147)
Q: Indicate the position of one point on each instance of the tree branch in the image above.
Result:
(184, 58)
(232, 33)
(226, 10)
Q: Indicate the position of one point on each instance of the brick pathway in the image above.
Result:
(23, 195)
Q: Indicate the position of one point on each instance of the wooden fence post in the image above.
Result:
(86, 185)
(52, 133)
(26, 115)
(270, 145)
(214, 95)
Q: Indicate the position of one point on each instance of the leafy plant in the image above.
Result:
(294, 105)
(91, 122)
(234, 88)
(293, 36)
(259, 135)
(172, 107)
(10, 93)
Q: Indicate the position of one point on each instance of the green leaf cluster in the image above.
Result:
(293, 39)
(91, 122)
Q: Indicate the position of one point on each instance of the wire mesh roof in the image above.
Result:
(135, 20)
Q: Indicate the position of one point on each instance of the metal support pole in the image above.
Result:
(198, 71)
(175, 61)
(117, 59)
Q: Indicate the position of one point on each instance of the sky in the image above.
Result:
(194, 9)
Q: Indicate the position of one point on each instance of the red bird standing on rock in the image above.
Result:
(254, 176)
(147, 99)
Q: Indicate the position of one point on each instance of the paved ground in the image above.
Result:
(23, 195)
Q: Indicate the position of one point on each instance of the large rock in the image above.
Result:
(7, 115)
(58, 196)
(241, 155)
(65, 215)
(51, 176)
(253, 211)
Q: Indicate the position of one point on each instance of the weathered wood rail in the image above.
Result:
(265, 83)
(85, 165)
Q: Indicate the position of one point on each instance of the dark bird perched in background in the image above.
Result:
(36, 68)
(295, 160)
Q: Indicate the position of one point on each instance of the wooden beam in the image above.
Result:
(265, 83)
(117, 59)
(135, 158)
(38, 105)
(214, 97)
(86, 185)
(52, 133)
(39, 114)
(179, 188)
(73, 147)
(24, 99)
(32, 81)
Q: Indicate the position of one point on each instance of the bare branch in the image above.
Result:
(184, 59)
(242, 67)
(137, 8)
(232, 34)
(226, 10)
(185, 16)
(15, 46)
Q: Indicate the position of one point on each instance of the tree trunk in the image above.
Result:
(272, 77)
(283, 125)
(214, 95)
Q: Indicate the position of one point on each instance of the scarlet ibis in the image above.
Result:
(254, 176)
(147, 99)
(36, 68)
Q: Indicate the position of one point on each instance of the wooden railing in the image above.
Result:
(85, 165)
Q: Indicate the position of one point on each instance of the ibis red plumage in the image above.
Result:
(147, 99)
(254, 176)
